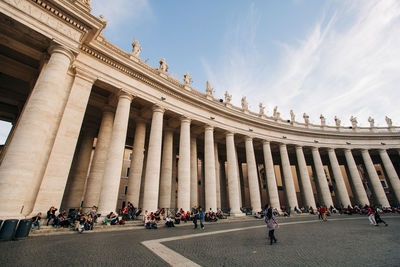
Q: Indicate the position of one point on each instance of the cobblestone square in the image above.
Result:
(302, 241)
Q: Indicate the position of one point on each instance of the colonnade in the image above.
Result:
(158, 178)
(50, 174)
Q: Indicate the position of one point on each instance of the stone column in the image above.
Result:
(305, 178)
(339, 181)
(240, 178)
(136, 167)
(356, 181)
(152, 175)
(17, 176)
(322, 182)
(193, 172)
(184, 166)
(288, 177)
(224, 199)
(217, 176)
(166, 169)
(95, 178)
(76, 182)
(173, 184)
(270, 174)
(374, 180)
(233, 176)
(59, 163)
(209, 169)
(112, 173)
(142, 178)
(391, 173)
(254, 186)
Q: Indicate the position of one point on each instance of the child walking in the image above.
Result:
(271, 224)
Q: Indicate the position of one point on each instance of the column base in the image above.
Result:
(237, 214)
(17, 217)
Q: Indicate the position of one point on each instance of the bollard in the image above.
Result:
(8, 230)
(23, 229)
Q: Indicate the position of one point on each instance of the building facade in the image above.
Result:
(67, 90)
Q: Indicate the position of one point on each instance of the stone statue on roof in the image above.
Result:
(292, 116)
(228, 98)
(209, 89)
(187, 80)
(353, 121)
(136, 48)
(371, 122)
(323, 120)
(306, 118)
(337, 121)
(274, 114)
(162, 65)
(388, 121)
(245, 105)
(262, 108)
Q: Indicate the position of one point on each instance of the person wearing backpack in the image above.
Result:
(271, 224)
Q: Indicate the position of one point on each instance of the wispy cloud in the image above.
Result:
(119, 13)
(347, 64)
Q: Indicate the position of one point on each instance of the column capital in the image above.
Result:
(248, 138)
(298, 147)
(282, 145)
(185, 119)
(84, 74)
(108, 108)
(364, 150)
(141, 120)
(169, 129)
(265, 142)
(347, 150)
(57, 48)
(382, 150)
(123, 94)
(157, 108)
(330, 149)
(314, 148)
(228, 133)
(208, 127)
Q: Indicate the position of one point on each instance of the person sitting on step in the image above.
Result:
(169, 222)
(36, 221)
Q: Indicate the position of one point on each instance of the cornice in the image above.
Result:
(106, 52)
(58, 12)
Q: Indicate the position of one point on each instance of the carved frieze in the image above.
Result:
(51, 17)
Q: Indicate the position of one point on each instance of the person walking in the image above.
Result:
(319, 213)
(371, 216)
(323, 213)
(378, 218)
(271, 224)
(195, 216)
(201, 215)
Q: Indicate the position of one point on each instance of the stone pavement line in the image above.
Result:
(175, 259)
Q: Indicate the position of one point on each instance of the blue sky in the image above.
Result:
(314, 56)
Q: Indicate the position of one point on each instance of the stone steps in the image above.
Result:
(137, 224)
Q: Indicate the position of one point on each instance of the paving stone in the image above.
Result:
(340, 243)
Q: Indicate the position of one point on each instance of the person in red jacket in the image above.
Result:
(323, 213)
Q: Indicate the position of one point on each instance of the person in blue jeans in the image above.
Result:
(36, 221)
(201, 218)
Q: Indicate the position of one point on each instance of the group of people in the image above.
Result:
(76, 219)
(129, 212)
(152, 220)
(364, 210)
(374, 217)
